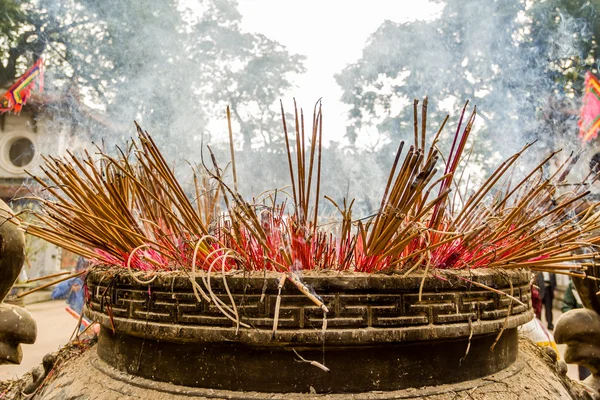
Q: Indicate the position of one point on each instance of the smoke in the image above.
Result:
(173, 69)
(514, 60)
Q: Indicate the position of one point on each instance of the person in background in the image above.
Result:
(547, 284)
(534, 329)
(536, 301)
(571, 300)
(595, 163)
(539, 335)
(72, 289)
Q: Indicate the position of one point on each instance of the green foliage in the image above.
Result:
(170, 68)
(515, 59)
(579, 18)
(250, 72)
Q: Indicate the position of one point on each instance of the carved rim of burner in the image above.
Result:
(379, 336)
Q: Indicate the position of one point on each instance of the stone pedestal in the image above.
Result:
(534, 375)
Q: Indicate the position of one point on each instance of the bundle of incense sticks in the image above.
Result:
(131, 211)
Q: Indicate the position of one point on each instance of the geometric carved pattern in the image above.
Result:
(375, 323)
(171, 300)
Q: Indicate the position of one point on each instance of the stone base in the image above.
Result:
(276, 368)
(532, 376)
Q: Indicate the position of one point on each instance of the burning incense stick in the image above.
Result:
(130, 210)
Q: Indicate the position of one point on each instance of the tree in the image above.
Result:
(512, 58)
(251, 73)
(567, 31)
(167, 67)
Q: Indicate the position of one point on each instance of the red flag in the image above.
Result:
(18, 94)
(589, 120)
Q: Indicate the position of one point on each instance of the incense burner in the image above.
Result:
(381, 332)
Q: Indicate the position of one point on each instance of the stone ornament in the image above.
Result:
(16, 324)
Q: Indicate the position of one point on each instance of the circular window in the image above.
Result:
(18, 151)
(21, 152)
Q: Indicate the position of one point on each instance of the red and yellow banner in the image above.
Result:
(18, 94)
(589, 120)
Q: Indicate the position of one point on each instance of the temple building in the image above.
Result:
(44, 126)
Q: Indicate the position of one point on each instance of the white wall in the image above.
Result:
(49, 137)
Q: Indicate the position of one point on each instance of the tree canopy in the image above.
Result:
(519, 61)
(169, 67)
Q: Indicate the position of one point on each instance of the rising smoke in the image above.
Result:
(510, 58)
(174, 74)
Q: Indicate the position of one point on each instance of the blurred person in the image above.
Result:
(595, 163)
(536, 301)
(571, 301)
(546, 283)
(72, 291)
(534, 329)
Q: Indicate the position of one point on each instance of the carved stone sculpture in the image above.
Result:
(579, 329)
(16, 324)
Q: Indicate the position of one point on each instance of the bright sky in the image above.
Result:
(332, 34)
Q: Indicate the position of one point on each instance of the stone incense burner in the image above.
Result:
(378, 336)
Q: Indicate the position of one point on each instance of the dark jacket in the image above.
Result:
(539, 281)
(570, 300)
